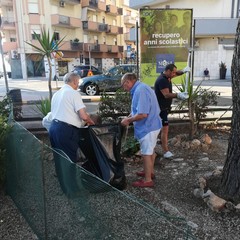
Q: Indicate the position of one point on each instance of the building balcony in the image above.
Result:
(72, 2)
(126, 36)
(6, 3)
(94, 26)
(102, 27)
(115, 30)
(76, 46)
(115, 48)
(93, 47)
(70, 45)
(90, 26)
(94, 5)
(8, 23)
(65, 21)
(8, 46)
(129, 20)
(35, 43)
(113, 10)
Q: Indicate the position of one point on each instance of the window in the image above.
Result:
(34, 36)
(56, 36)
(36, 29)
(33, 6)
(94, 18)
(95, 39)
(12, 39)
(128, 13)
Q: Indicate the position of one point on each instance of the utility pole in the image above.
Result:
(3, 63)
(137, 49)
(89, 52)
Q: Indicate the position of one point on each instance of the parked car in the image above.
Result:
(83, 70)
(109, 81)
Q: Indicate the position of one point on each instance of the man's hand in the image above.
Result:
(182, 95)
(186, 69)
(125, 121)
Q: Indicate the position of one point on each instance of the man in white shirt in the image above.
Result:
(68, 114)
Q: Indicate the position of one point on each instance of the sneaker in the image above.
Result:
(168, 154)
(143, 184)
(142, 174)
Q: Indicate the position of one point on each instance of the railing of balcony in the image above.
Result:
(8, 20)
(115, 30)
(6, 2)
(102, 27)
(64, 20)
(90, 26)
(76, 46)
(73, 2)
(93, 3)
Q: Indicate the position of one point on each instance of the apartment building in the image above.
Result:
(215, 24)
(95, 32)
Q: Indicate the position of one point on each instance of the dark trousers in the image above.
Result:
(65, 137)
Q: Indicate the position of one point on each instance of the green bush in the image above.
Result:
(45, 106)
(4, 128)
(197, 103)
(112, 108)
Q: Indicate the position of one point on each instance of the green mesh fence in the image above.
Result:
(76, 204)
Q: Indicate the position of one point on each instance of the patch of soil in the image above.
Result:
(176, 180)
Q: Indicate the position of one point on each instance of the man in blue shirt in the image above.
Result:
(147, 124)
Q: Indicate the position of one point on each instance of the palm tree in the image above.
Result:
(49, 48)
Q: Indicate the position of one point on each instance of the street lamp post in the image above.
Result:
(3, 63)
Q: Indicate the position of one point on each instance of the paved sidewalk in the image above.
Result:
(37, 88)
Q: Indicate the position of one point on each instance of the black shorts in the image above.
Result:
(164, 117)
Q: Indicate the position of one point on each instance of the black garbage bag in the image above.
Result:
(100, 147)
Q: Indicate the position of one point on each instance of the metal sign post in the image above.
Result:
(3, 63)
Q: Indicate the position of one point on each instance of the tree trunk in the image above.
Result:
(50, 78)
(231, 170)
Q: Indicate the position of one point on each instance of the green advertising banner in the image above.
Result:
(165, 37)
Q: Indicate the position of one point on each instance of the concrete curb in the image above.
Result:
(84, 98)
(91, 98)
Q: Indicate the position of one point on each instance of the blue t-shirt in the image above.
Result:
(144, 101)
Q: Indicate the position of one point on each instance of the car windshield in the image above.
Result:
(115, 71)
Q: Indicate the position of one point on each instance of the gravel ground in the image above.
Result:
(172, 194)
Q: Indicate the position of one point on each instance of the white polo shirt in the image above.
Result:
(65, 106)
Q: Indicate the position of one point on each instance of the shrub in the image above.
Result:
(4, 128)
(197, 103)
(45, 106)
(112, 108)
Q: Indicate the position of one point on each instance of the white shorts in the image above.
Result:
(148, 142)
